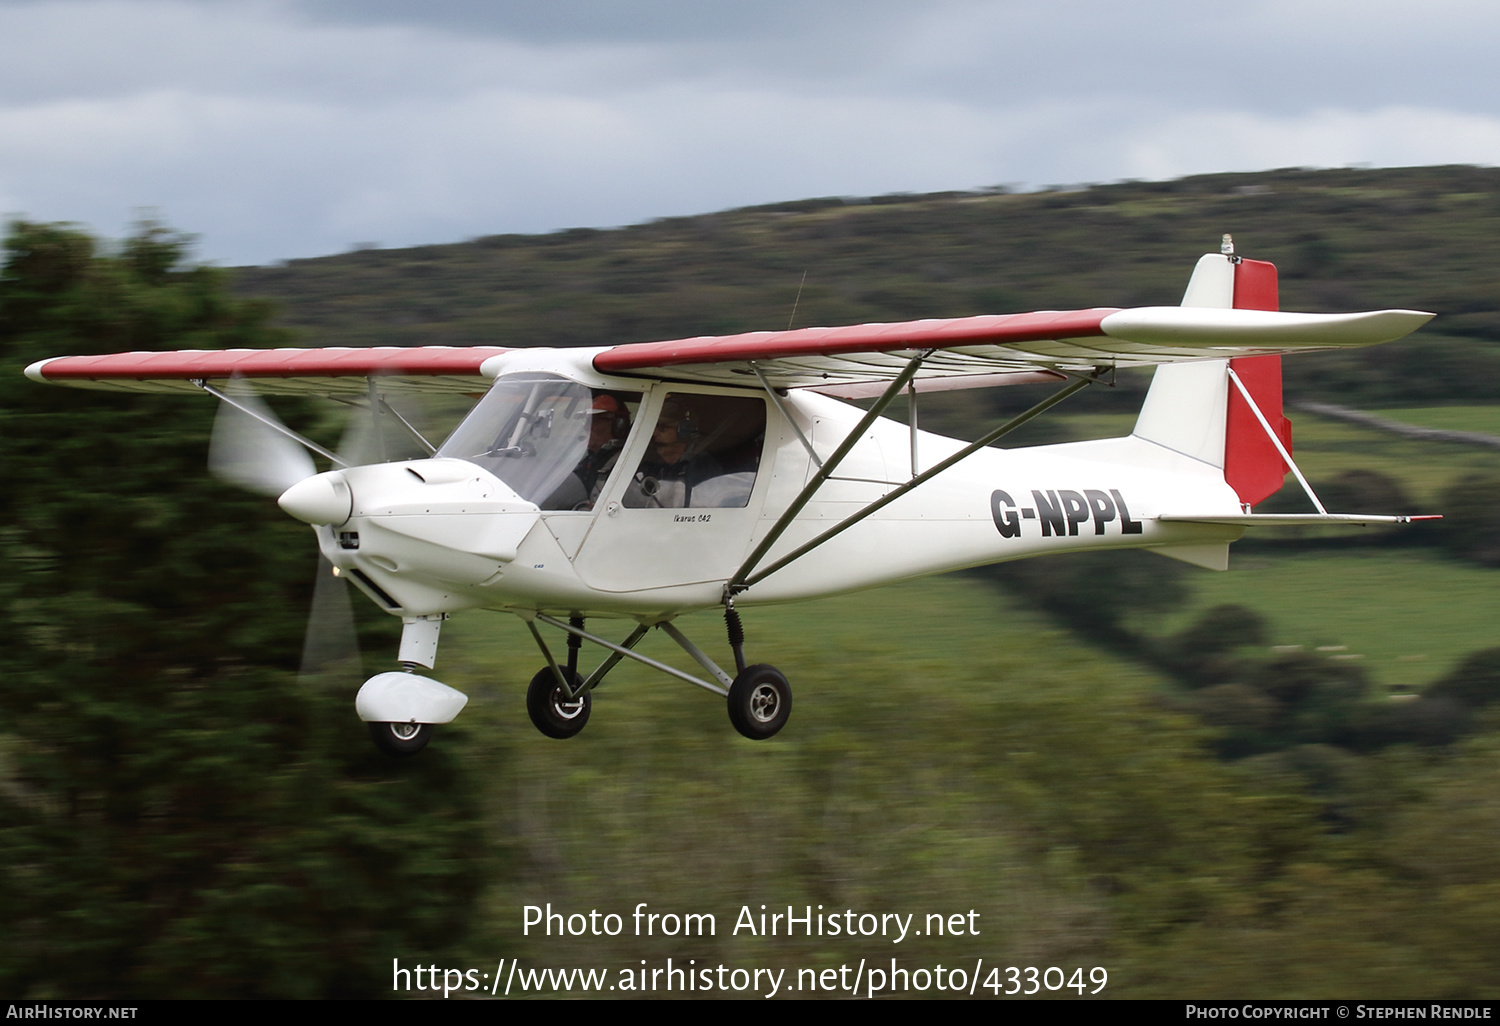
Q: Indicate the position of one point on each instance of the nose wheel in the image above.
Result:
(760, 701)
(551, 710)
(400, 738)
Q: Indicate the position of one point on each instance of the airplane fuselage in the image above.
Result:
(434, 536)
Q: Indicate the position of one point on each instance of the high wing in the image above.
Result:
(1005, 349)
(848, 361)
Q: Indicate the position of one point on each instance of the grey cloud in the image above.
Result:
(281, 128)
(640, 21)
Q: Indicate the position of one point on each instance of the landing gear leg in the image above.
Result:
(760, 699)
(402, 706)
(736, 632)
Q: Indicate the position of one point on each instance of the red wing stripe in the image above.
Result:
(858, 338)
(422, 361)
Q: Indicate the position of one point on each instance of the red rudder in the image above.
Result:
(1252, 466)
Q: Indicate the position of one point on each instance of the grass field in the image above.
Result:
(1324, 448)
(1407, 616)
(1448, 418)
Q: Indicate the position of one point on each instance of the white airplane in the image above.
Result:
(642, 481)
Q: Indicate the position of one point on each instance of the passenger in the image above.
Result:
(674, 466)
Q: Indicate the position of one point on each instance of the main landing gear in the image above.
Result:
(558, 699)
(760, 699)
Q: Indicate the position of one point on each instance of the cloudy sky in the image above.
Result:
(287, 128)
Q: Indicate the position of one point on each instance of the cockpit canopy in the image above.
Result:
(535, 432)
(555, 442)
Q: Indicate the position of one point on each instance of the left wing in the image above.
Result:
(278, 371)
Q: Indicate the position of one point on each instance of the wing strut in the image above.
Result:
(744, 579)
(738, 582)
(388, 410)
(786, 414)
(269, 422)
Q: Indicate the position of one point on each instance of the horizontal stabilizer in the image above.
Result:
(1292, 519)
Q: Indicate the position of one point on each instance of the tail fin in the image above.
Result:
(1192, 410)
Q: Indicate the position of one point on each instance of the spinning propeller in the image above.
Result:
(246, 451)
(252, 449)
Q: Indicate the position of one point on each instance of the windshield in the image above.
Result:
(553, 441)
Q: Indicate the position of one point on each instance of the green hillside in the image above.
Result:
(1423, 238)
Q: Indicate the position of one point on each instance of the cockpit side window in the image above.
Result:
(704, 453)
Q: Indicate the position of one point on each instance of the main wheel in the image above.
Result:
(760, 701)
(551, 710)
(401, 738)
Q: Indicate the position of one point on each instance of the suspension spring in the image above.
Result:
(736, 634)
(574, 644)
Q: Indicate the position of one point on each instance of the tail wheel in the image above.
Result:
(760, 702)
(551, 710)
(401, 738)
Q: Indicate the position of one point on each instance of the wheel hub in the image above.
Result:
(405, 731)
(764, 702)
(565, 707)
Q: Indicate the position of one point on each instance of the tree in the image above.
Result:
(178, 815)
(1471, 523)
(1095, 591)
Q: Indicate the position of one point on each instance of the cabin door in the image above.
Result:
(682, 509)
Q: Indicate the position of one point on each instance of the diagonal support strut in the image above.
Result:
(623, 651)
(739, 584)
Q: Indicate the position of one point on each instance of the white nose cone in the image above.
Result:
(320, 499)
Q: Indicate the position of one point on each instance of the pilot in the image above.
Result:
(675, 465)
(609, 423)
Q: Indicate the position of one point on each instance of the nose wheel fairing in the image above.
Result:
(400, 696)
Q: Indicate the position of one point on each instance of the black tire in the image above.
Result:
(401, 739)
(551, 710)
(760, 702)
